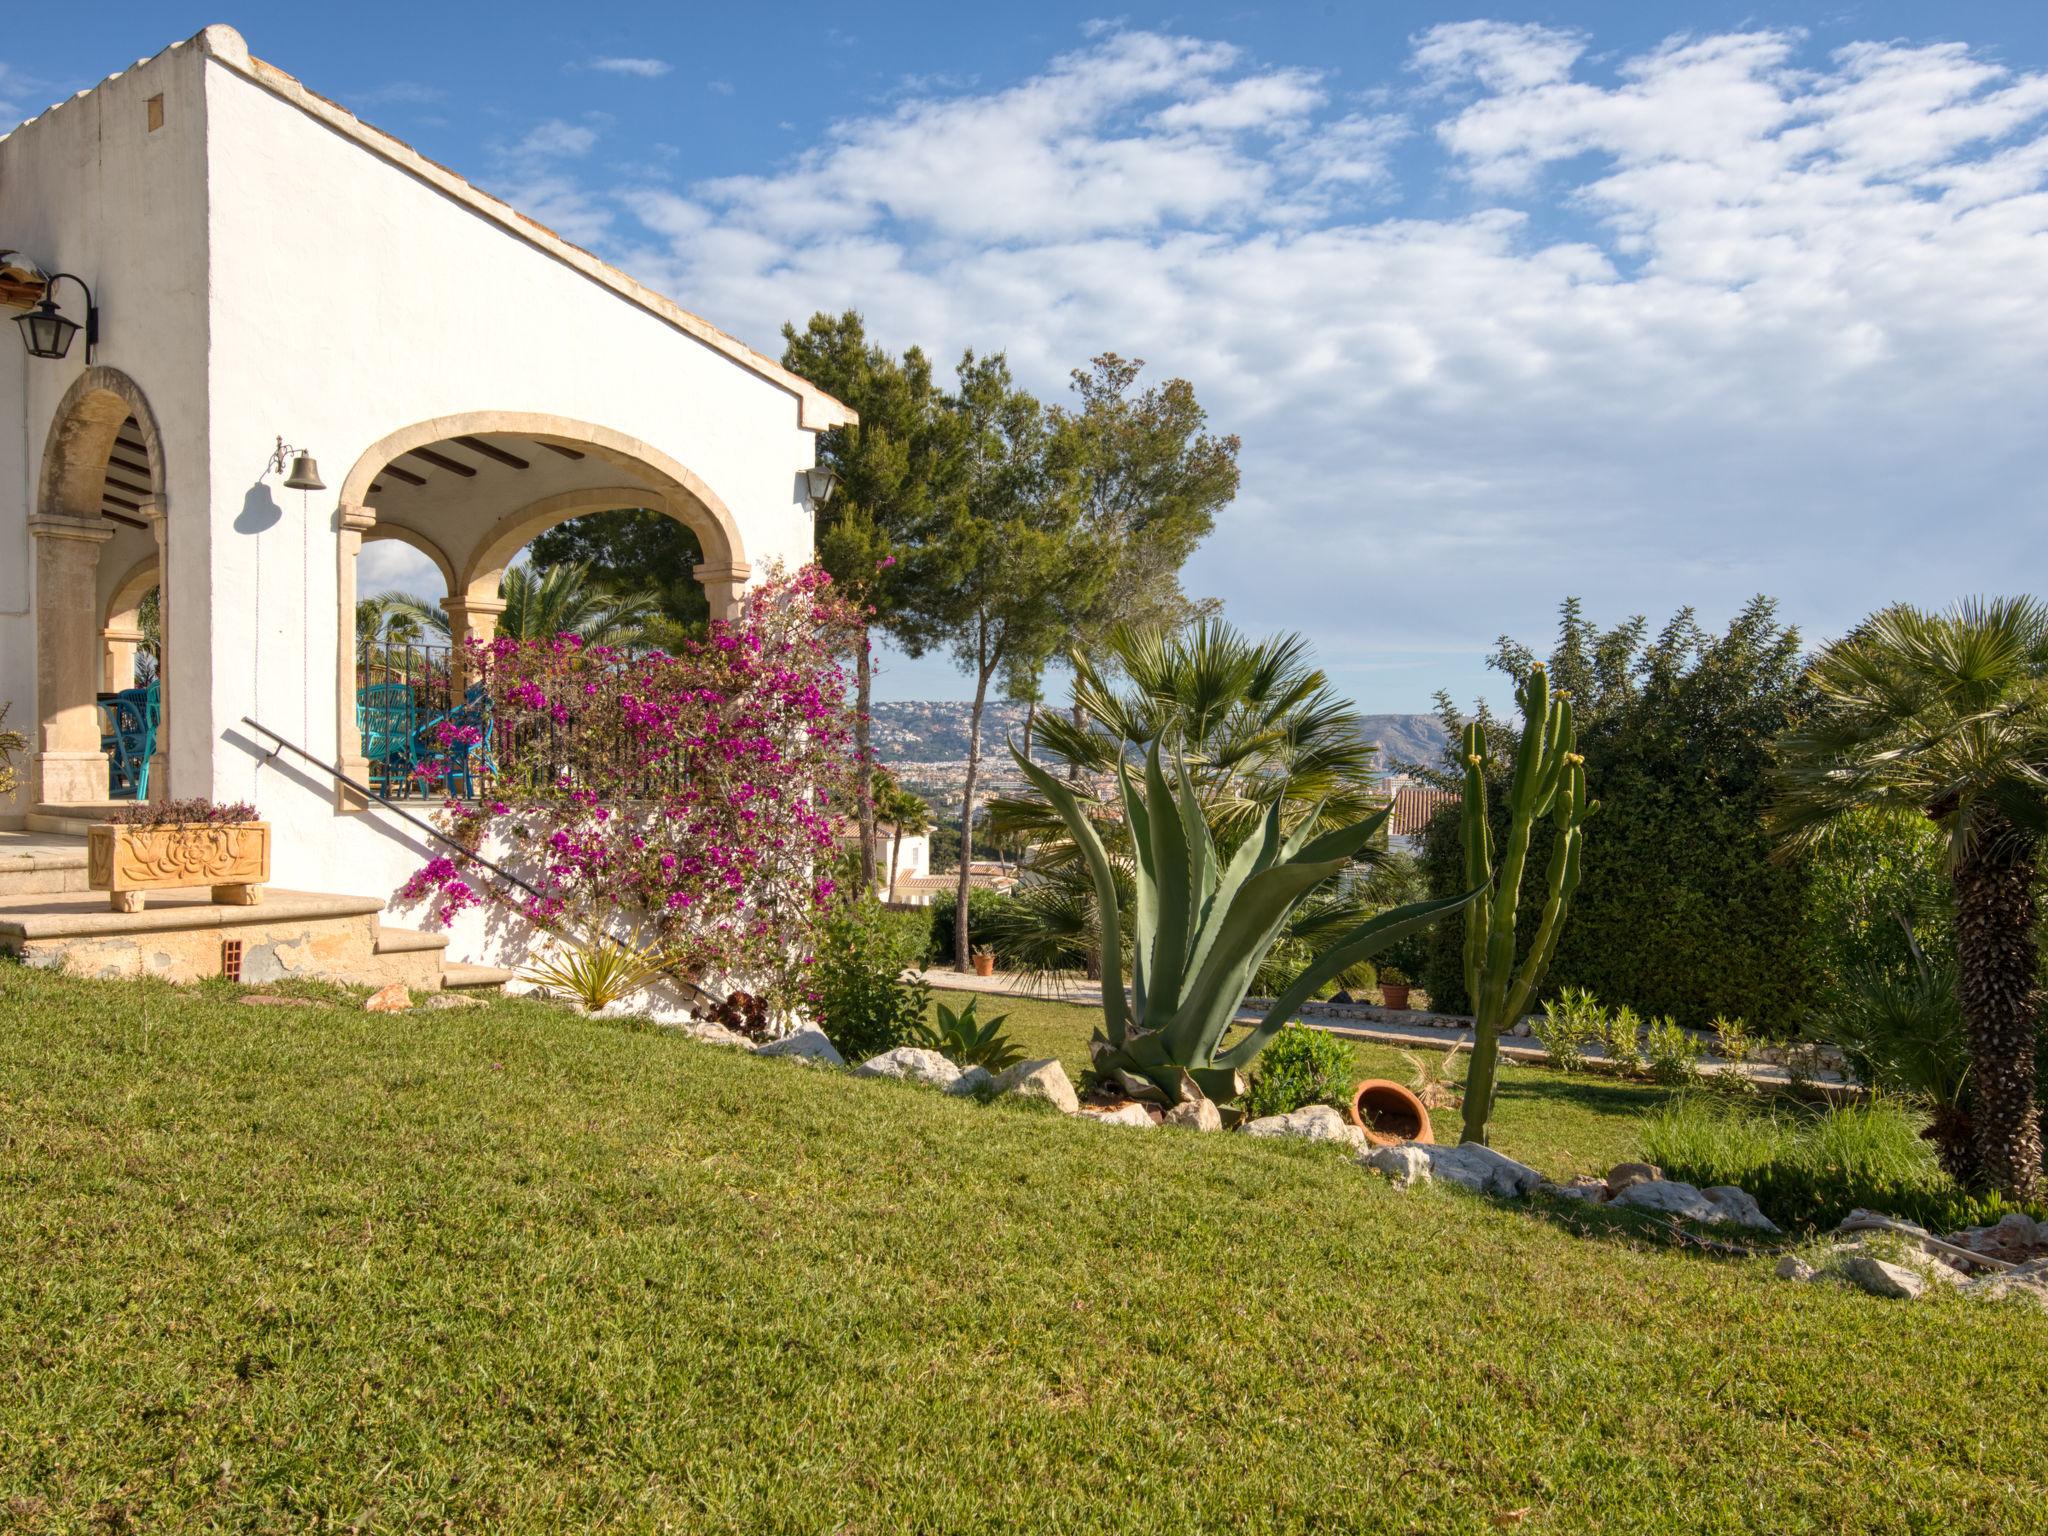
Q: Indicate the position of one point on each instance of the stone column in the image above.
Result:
(117, 657)
(469, 618)
(722, 583)
(160, 760)
(69, 768)
(352, 524)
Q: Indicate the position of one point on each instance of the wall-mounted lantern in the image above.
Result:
(820, 483)
(47, 330)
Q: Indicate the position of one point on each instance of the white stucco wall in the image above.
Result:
(351, 299)
(86, 188)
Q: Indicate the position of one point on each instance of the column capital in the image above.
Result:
(123, 634)
(50, 525)
(734, 571)
(357, 519)
(457, 607)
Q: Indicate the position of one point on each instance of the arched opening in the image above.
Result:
(533, 525)
(100, 531)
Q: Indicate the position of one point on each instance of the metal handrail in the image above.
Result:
(439, 836)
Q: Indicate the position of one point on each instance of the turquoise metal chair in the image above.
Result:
(388, 718)
(129, 738)
(456, 766)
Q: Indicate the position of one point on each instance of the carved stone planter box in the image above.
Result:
(232, 857)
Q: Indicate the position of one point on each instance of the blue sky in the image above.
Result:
(1655, 304)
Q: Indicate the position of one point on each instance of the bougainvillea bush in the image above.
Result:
(691, 801)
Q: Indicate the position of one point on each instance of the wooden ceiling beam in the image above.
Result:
(493, 451)
(123, 485)
(116, 517)
(567, 453)
(128, 464)
(404, 474)
(442, 461)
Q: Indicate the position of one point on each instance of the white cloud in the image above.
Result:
(1727, 315)
(644, 69)
(555, 139)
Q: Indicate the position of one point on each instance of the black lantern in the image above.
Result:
(820, 483)
(47, 330)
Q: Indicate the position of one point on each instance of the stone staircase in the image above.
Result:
(50, 916)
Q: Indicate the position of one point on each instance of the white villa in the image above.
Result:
(301, 335)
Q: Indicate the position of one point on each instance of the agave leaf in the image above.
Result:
(1202, 874)
(1362, 943)
(1137, 1086)
(1139, 820)
(1171, 861)
(1063, 799)
(1246, 930)
(1145, 1047)
(1219, 1085)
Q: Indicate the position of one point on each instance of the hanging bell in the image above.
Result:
(305, 475)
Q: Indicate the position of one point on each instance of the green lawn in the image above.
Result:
(506, 1270)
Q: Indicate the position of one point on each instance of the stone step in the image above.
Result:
(41, 864)
(72, 820)
(183, 935)
(456, 976)
(392, 940)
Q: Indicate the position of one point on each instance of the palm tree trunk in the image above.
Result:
(864, 752)
(962, 940)
(1030, 720)
(895, 859)
(1993, 887)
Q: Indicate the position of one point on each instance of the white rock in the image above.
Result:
(972, 1080)
(1195, 1115)
(1126, 1114)
(1045, 1079)
(1621, 1175)
(1737, 1206)
(912, 1064)
(1482, 1170)
(1874, 1275)
(1404, 1163)
(1792, 1267)
(1671, 1197)
(805, 1044)
(715, 1034)
(1312, 1122)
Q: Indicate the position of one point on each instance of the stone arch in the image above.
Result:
(514, 531)
(129, 592)
(413, 538)
(89, 418)
(71, 645)
(121, 625)
(689, 498)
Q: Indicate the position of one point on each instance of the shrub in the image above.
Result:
(1811, 1168)
(1674, 1053)
(985, 909)
(1571, 1021)
(595, 972)
(11, 743)
(169, 813)
(1624, 1039)
(1301, 1066)
(858, 995)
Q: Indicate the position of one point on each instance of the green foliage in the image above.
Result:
(860, 999)
(1624, 1039)
(1570, 1022)
(1201, 925)
(1685, 906)
(987, 916)
(1902, 1034)
(1502, 974)
(11, 744)
(1733, 1041)
(1674, 1052)
(968, 1041)
(637, 557)
(540, 603)
(1810, 1168)
(594, 972)
(1301, 1066)
(1875, 877)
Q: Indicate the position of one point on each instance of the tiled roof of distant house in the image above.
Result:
(1415, 806)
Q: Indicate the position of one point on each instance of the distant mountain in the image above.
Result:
(935, 731)
(1406, 739)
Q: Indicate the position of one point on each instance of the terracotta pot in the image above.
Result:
(1388, 1113)
(1393, 994)
(984, 965)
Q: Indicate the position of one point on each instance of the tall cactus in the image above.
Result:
(1549, 781)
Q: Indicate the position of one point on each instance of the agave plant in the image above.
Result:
(968, 1041)
(595, 972)
(1203, 925)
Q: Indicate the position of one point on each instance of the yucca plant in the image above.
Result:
(596, 972)
(1203, 924)
(968, 1041)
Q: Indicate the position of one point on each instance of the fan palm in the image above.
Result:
(540, 604)
(1252, 722)
(1945, 715)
